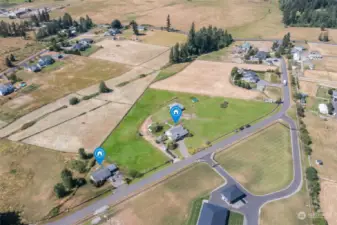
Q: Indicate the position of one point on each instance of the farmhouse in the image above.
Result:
(101, 175)
(211, 214)
(33, 68)
(323, 108)
(232, 194)
(6, 89)
(249, 76)
(141, 28)
(260, 55)
(45, 61)
(246, 46)
(297, 56)
(176, 133)
(176, 104)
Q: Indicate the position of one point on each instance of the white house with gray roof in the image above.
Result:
(99, 176)
(176, 133)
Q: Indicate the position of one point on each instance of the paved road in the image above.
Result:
(251, 215)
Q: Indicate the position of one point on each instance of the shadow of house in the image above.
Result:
(101, 175)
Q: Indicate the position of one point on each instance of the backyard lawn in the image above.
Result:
(206, 120)
(322, 92)
(176, 201)
(235, 218)
(263, 162)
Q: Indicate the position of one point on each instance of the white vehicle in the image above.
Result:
(284, 82)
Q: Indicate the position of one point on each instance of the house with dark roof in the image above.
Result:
(176, 133)
(260, 55)
(246, 46)
(211, 214)
(45, 61)
(249, 76)
(99, 176)
(87, 40)
(34, 68)
(6, 89)
(232, 194)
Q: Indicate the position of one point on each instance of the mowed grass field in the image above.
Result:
(171, 201)
(286, 211)
(206, 120)
(163, 38)
(61, 78)
(262, 163)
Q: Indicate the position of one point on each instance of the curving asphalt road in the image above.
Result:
(251, 209)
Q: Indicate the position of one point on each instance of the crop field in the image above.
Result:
(168, 202)
(75, 74)
(262, 163)
(209, 78)
(309, 88)
(289, 209)
(128, 52)
(328, 200)
(206, 120)
(324, 49)
(326, 64)
(321, 75)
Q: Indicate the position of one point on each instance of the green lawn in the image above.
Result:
(263, 162)
(322, 92)
(219, 55)
(171, 70)
(207, 120)
(195, 210)
(313, 103)
(91, 50)
(235, 219)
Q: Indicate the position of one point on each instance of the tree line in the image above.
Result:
(13, 29)
(54, 26)
(200, 42)
(314, 13)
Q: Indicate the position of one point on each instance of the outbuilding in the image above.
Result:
(232, 194)
(211, 214)
(6, 89)
(323, 108)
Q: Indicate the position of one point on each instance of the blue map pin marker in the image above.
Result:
(176, 113)
(99, 154)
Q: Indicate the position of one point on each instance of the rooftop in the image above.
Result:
(233, 194)
(212, 215)
(103, 173)
(176, 132)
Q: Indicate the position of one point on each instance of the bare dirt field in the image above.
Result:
(87, 131)
(209, 78)
(324, 49)
(326, 64)
(321, 75)
(58, 117)
(328, 197)
(309, 88)
(170, 201)
(128, 52)
(323, 134)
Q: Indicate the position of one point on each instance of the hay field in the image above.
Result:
(170, 201)
(209, 78)
(326, 64)
(262, 163)
(163, 38)
(87, 131)
(324, 49)
(75, 73)
(58, 117)
(309, 88)
(320, 75)
(323, 134)
(328, 198)
(127, 52)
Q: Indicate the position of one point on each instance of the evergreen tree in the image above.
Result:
(67, 20)
(8, 62)
(176, 53)
(60, 190)
(116, 24)
(89, 22)
(134, 27)
(172, 56)
(191, 39)
(103, 88)
(67, 178)
(168, 23)
(12, 58)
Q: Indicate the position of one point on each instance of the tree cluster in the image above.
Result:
(200, 42)
(54, 26)
(284, 47)
(13, 29)
(311, 13)
(40, 17)
(236, 77)
(314, 186)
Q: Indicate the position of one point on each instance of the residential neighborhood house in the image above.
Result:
(45, 61)
(176, 133)
(6, 89)
(211, 214)
(232, 194)
(99, 176)
(249, 76)
(260, 56)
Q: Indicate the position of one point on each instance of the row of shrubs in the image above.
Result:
(102, 89)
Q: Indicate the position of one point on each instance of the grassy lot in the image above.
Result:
(269, 76)
(91, 50)
(288, 208)
(273, 92)
(61, 78)
(219, 55)
(263, 162)
(172, 201)
(235, 218)
(163, 38)
(206, 120)
(195, 210)
(312, 103)
(322, 92)
(171, 70)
